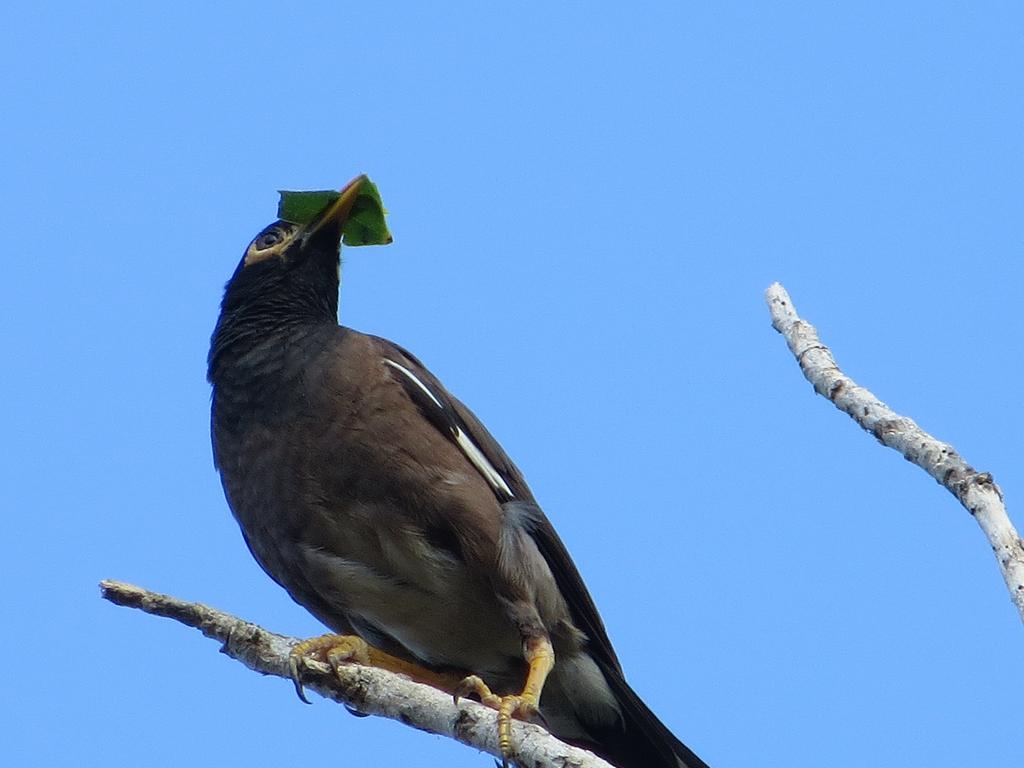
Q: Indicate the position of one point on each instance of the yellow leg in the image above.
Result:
(336, 650)
(541, 658)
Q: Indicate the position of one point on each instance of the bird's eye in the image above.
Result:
(269, 239)
(272, 243)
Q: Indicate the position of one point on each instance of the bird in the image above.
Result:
(382, 505)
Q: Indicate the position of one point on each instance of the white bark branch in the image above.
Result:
(977, 491)
(364, 689)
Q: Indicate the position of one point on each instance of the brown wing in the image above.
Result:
(461, 426)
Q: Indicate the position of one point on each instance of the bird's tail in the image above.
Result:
(642, 740)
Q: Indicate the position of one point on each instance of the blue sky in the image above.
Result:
(588, 201)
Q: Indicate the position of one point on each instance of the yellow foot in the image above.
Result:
(333, 650)
(336, 650)
(540, 656)
(522, 706)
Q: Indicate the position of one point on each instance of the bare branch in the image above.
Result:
(977, 491)
(364, 689)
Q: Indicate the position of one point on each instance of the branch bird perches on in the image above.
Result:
(364, 689)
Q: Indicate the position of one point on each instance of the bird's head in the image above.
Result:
(289, 275)
(291, 269)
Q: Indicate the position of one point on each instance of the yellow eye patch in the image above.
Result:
(272, 242)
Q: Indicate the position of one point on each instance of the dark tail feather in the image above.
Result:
(643, 741)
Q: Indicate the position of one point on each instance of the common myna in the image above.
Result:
(383, 505)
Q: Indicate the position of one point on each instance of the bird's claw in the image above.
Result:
(293, 673)
(475, 685)
(520, 706)
(333, 650)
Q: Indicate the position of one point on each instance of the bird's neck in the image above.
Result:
(259, 348)
(262, 323)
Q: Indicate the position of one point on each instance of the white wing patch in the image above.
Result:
(412, 377)
(480, 461)
(468, 447)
